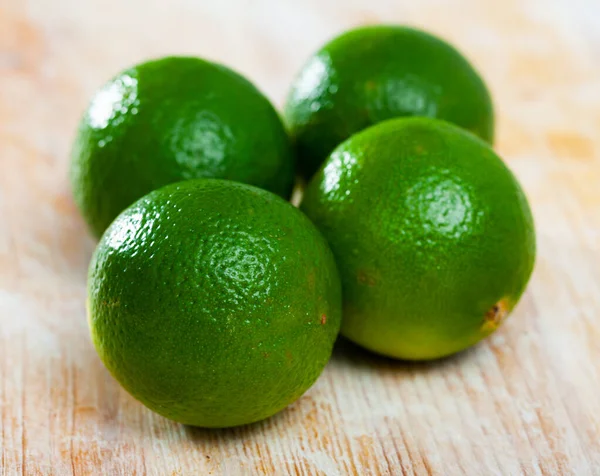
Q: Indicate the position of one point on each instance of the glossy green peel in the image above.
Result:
(432, 234)
(173, 119)
(214, 303)
(375, 73)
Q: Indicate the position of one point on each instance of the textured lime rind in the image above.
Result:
(214, 303)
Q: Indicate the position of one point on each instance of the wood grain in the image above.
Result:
(527, 401)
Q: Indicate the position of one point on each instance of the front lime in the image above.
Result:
(214, 303)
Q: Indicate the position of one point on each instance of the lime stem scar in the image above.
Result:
(495, 315)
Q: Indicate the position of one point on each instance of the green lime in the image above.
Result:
(375, 73)
(175, 119)
(432, 234)
(214, 303)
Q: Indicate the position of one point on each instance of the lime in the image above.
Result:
(214, 303)
(174, 119)
(375, 73)
(432, 234)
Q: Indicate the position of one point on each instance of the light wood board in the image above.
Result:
(527, 401)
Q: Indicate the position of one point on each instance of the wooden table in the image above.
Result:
(527, 401)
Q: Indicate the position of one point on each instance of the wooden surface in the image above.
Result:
(527, 401)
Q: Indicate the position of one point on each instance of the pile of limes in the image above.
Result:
(214, 301)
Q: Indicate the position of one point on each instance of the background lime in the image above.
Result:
(173, 119)
(375, 73)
